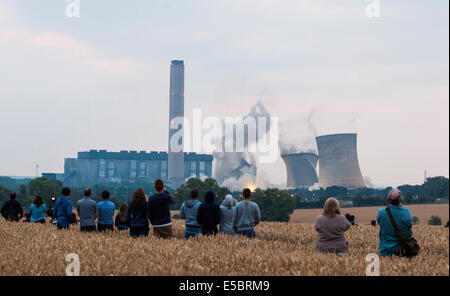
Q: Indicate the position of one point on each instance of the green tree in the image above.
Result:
(45, 188)
(437, 187)
(275, 204)
(4, 195)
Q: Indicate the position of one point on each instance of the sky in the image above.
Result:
(101, 81)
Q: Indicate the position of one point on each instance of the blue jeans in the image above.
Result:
(137, 231)
(191, 231)
(104, 227)
(247, 232)
(62, 225)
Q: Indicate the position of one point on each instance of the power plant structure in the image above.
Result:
(176, 111)
(301, 169)
(338, 161)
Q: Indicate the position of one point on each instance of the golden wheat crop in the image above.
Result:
(279, 249)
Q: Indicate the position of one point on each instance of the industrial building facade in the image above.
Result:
(100, 167)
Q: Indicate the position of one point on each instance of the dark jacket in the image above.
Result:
(137, 217)
(209, 214)
(159, 208)
(12, 210)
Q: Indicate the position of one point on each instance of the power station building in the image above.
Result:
(338, 161)
(100, 167)
(301, 169)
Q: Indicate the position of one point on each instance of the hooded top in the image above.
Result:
(63, 210)
(226, 215)
(209, 214)
(159, 209)
(189, 212)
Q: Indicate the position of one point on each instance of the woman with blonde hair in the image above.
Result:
(331, 226)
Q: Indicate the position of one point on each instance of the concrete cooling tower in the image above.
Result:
(338, 161)
(300, 169)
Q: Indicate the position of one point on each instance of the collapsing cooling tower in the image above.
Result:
(300, 169)
(338, 161)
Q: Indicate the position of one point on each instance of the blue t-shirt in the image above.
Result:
(37, 213)
(389, 243)
(105, 212)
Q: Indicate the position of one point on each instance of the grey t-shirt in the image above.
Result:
(331, 233)
(246, 215)
(87, 208)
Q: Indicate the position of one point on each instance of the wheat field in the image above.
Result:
(365, 214)
(279, 249)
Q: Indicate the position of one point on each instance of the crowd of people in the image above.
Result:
(207, 218)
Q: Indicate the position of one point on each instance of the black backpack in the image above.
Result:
(408, 245)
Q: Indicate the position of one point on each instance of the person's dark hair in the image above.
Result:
(38, 201)
(373, 222)
(247, 193)
(65, 191)
(105, 194)
(209, 196)
(12, 195)
(352, 218)
(138, 199)
(348, 217)
(87, 192)
(194, 193)
(159, 185)
(27, 216)
(74, 218)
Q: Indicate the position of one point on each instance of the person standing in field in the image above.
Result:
(121, 221)
(106, 210)
(37, 210)
(189, 212)
(227, 210)
(209, 215)
(159, 211)
(246, 216)
(63, 210)
(389, 244)
(331, 226)
(87, 211)
(137, 214)
(12, 210)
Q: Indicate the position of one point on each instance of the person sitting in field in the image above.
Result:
(26, 217)
(189, 212)
(209, 215)
(121, 218)
(63, 210)
(350, 219)
(106, 210)
(12, 210)
(37, 210)
(447, 225)
(159, 211)
(373, 222)
(246, 215)
(137, 214)
(75, 220)
(331, 226)
(88, 211)
(389, 244)
(227, 210)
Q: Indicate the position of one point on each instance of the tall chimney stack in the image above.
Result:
(176, 157)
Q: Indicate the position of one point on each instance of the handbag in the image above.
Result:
(408, 245)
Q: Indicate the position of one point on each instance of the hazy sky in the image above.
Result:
(101, 81)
